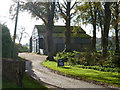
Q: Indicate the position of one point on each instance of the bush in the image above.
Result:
(22, 48)
(83, 58)
(91, 60)
(116, 60)
(113, 60)
(69, 57)
(7, 44)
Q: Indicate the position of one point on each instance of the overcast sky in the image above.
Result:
(25, 20)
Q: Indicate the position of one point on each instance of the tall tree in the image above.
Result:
(93, 13)
(44, 11)
(115, 21)
(107, 19)
(65, 10)
(88, 14)
(101, 20)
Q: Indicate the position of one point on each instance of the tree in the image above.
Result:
(107, 19)
(44, 11)
(65, 11)
(115, 21)
(93, 13)
(88, 14)
(21, 34)
(99, 14)
(101, 20)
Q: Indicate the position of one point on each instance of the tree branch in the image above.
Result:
(71, 14)
(36, 12)
(65, 2)
(63, 6)
(63, 14)
(53, 9)
(73, 5)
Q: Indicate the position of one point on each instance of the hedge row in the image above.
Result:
(100, 68)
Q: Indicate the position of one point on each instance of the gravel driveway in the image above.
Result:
(45, 75)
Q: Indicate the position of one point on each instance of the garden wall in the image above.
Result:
(13, 70)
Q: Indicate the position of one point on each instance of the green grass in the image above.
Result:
(27, 81)
(112, 78)
(8, 84)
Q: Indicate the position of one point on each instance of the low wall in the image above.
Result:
(13, 70)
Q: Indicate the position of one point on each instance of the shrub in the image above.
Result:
(91, 60)
(83, 58)
(116, 60)
(113, 60)
(7, 43)
(69, 57)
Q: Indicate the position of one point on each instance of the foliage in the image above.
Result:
(67, 57)
(22, 48)
(86, 74)
(90, 59)
(46, 12)
(7, 43)
(99, 68)
(113, 60)
(82, 58)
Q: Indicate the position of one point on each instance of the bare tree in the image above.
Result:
(21, 33)
(65, 11)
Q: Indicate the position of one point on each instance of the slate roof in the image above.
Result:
(58, 31)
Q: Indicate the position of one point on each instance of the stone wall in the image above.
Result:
(13, 70)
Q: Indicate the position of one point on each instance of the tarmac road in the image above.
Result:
(45, 75)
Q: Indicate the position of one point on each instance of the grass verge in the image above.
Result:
(111, 78)
(28, 82)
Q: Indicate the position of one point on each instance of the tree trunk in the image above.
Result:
(93, 14)
(49, 43)
(102, 34)
(116, 41)
(116, 30)
(49, 30)
(94, 33)
(101, 26)
(107, 19)
(68, 31)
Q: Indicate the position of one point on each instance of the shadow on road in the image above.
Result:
(30, 72)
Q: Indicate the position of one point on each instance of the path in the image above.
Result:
(49, 77)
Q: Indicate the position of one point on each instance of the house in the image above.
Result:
(80, 41)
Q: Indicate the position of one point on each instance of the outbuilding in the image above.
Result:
(80, 41)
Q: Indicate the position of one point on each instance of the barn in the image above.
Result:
(80, 41)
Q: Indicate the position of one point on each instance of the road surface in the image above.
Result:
(45, 75)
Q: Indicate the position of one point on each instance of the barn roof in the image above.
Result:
(58, 31)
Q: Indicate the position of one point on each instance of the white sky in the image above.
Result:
(25, 20)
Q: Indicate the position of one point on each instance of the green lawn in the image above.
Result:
(27, 81)
(87, 74)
